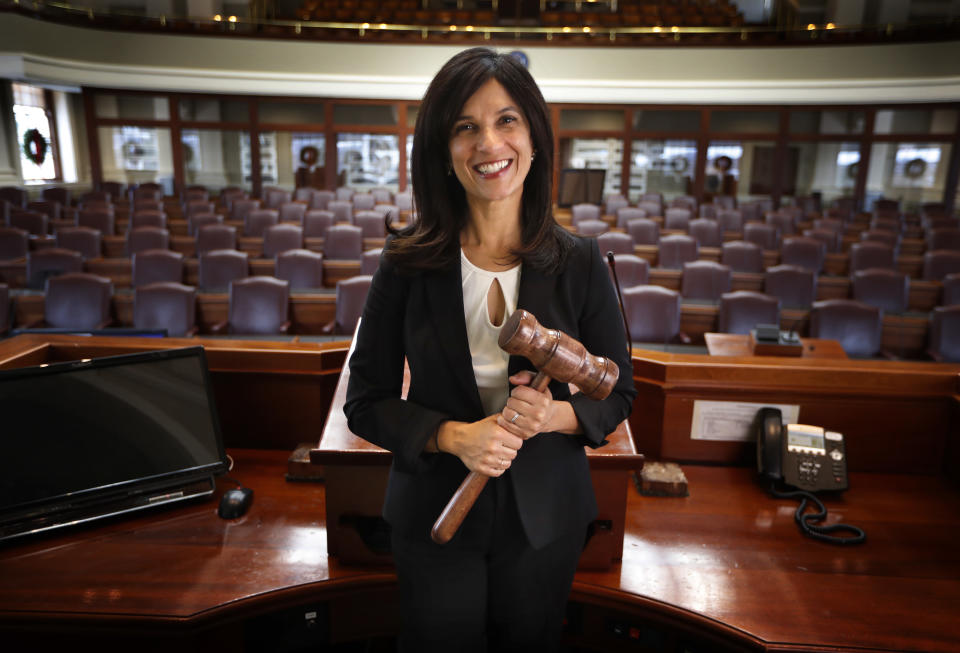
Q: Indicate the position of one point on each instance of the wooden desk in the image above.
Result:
(722, 570)
(737, 344)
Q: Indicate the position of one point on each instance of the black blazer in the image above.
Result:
(419, 316)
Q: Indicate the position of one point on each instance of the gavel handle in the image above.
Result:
(466, 495)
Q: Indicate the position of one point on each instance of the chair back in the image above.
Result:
(343, 242)
(614, 203)
(886, 289)
(101, 219)
(144, 238)
(77, 300)
(148, 218)
(742, 310)
(631, 270)
(320, 199)
(951, 289)
(870, 254)
(644, 231)
(316, 222)
(627, 213)
(944, 238)
(858, 327)
(653, 313)
(706, 280)
(193, 207)
(730, 220)
(292, 212)
(50, 208)
(156, 265)
(803, 252)
(197, 220)
(258, 220)
(677, 217)
(944, 340)
(584, 211)
(259, 305)
(592, 227)
(370, 223)
(14, 243)
(764, 235)
(276, 197)
(675, 250)
(651, 209)
(741, 256)
(166, 305)
(301, 268)
(33, 222)
(280, 238)
(616, 242)
(240, 208)
(215, 236)
(43, 264)
(85, 240)
(794, 286)
(351, 297)
(5, 311)
(221, 266)
(58, 194)
(342, 211)
(706, 232)
(370, 261)
(785, 223)
(344, 193)
(363, 202)
(829, 238)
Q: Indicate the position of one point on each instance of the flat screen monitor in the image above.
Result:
(88, 439)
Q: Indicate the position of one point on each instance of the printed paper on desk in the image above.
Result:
(732, 420)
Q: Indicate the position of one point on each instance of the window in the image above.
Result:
(665, 167)
(212, 157)
(366, 161)
(35, 135)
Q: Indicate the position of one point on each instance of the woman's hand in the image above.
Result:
(483, 446)
(529, 412)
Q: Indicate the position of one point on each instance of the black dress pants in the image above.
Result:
(487, 589)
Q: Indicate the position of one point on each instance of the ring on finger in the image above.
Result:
(513, 420)
(502, 463)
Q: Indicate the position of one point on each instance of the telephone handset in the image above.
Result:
(802, 456)
(809, 459)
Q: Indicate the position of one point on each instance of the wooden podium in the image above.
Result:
(356, 477)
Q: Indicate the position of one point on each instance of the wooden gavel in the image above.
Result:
(556, 355)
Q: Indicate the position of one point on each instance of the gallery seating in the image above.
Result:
(653, 313)
(166, 305)
(705, 280)
(217, 268)
(944, 338)
(302, 268)
(351, 297)
(858, 327)
(794, 286)
(886, 289)
(77, 300)
(742, 310)
(85, 240)
(156, 265)
(50, 262)
(257, 305)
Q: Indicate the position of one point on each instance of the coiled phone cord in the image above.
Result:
(815, 530)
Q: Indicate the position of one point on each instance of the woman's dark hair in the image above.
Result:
(438, 198)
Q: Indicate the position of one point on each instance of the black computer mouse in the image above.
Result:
(234, 503)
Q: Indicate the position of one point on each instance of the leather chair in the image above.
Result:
(58, 194)
(144, 238)
(215, 237)
(725, 202)
(344, 193)
(794, 286)
(751, 212)
(17, 196)
(830, 239)
(85, 240)
(869, 254)
(653, 314)
(258, 305)
(951, 289)
(229, 195)
(301, 268)
(316, 222)
(14, 243)
(886, 224)
(881, 236)
(939, 263)
(221, 266)
(675, 250)
(804, 252)
(258, 220)
(195, 194)
(292, 212)
(884, 205)
(342, 211)
(613, 204)
(197, 220)
(644, 231)
(344, 242)
(706, 280)
(592, 227)
(34, 223)
(101, 219)
(194, 207)
(276, 197)
(382, 195)
(677, 217)
(363, 202)
(51, 262)
(371, 223)
(708, 211)
(403, 200)
(166, 305)
(241, 208)
(351, 297)
(112, 189)
(943, 238)
(583, 211)
(50, 208)
(885, 289)
(743, 310)
(320, 200)
(6, 312)
(730, 220)
(148, 219)
(706, 232)
(99, 197)
(631, 270)
(688, 202)
(762, 234)
(146, 191)
(652, 209)
(944, 339)
(156, 265)
(147, 205)
(858, 327)
(370, 261)
(77, 300)
(303, 195)
(833, 225)
(741, 256)
(281, 238)
(627, 213)
(616, 242)
(784, 223)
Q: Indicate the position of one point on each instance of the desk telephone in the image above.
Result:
(803, 456)
(807, 459)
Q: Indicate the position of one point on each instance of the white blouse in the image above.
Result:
(489, 361)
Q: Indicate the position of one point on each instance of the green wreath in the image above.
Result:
(35, 146)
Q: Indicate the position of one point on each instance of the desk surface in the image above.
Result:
(737, 344)
(727, 558)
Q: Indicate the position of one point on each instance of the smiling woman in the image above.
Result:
(485, 244)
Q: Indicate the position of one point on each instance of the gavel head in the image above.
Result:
(558, 355)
